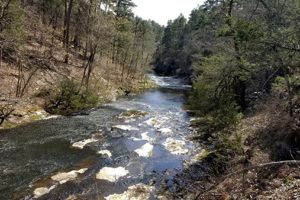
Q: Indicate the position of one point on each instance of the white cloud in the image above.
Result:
(163, 10)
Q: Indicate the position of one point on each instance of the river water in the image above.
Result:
(123, 150)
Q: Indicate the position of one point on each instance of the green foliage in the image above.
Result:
(123, 8)
(231, 47)
(235, 52)
(232, 144)
(172, 42)
(244, 31)
(219, 118)
(212, 95)
(211, 98)
(203, 154)
(71, 98)
(288, 180)
(249, 31)
(279, 85)
(280, 88)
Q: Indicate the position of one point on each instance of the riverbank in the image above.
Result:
(30, 109)
(256, 159)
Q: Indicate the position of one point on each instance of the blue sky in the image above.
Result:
(163, 10)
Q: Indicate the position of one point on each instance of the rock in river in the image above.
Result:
(135, 192)
(145, 150)
(111, 174)
(81, 144)
(67, 176)
(38, 192)
(105, 152)
(175, 146)
(126, 128)
(165, 130)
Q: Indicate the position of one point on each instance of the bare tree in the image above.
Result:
(67, 20)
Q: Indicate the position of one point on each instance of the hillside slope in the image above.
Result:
(33, 66)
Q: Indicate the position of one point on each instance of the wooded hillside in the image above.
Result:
(243, 57)
(235, 51)
(53, 47)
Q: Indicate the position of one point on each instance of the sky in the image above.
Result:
(163, 10)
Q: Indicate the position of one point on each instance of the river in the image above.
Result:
(122, 150)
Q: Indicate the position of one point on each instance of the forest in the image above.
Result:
(235, 52)
(242, 57)
(205, 107)
(72, 50)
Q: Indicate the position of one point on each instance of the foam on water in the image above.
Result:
(126, 127)
(111, 174)
(135, 192)
(175, 146)
(145, 150)
(105, 152)
(169, 82)
(38, 192)
(64, 177)
(83, 143)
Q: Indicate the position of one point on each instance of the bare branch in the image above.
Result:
(289, 162)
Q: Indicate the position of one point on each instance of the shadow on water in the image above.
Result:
(34, 152)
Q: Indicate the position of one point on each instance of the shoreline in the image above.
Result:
(30, 111)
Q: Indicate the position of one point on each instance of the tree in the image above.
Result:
(232, 49)
(171, 44)
(98, 37)
(123, 8)
(282, 20)
(89, 31)
(67, 20)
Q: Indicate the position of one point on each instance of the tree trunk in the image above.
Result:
(68, 11)
(290, 98)
(1, 120)
(65, 23)
(89, 66)
(123, 65)
(289, 87)
(240, 91)
(239, 85)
